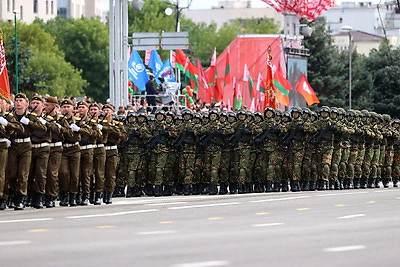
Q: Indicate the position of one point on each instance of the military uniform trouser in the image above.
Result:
(352, 161)
(171, 171)
(359, 161)
(396, 162)
(38, 169)
(381, 161)
(111, 169)
(122, 168)
(69, 169)
(270, 163)
(198, 167)
(53, 167)
(309, 164)
(375, 162)
(296, 160)
(3, 166)
(336, 157)
(226, 167)
(389, 153)
(86, 169)
(212, 162)
(282, 171)
(99, 162)
(159, 159)
(325, 151)
(243, 161)
(134, 162)
(366, 166)
(186, 163)
(260, 165)
(19, 161)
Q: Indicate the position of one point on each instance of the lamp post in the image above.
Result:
(16, 51)
(349, 28)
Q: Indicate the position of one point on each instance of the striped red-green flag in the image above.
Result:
(247, 77)
(237, 96)
(190, 71)
(270, 97)
(282, 87)
(227, 77)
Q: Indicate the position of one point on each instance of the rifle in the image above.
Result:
(289, 136)
(5, 116)
(153, 141)
(319, 136)
(45, 115)
(206, 139)
(181, 140)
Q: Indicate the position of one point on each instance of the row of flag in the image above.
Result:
(4, 82)
(271, 91)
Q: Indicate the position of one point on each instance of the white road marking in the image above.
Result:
(17, 242)
(157, 233)
(27, 220)
(278, 199)
(166, 203)
(111, 214)
(267, 224)
(351, 216)
(203, 264)
(149, 200)
(387, 190)
(341, 249)
(339, 194)
(205, 205)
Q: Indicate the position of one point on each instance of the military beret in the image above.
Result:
(108, 106)
(66, 102)
(21, 95)
(94, 104)
(52, 99)
(39, 98)
(82, 103)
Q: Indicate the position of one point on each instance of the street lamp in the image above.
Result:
(349, 29)
(178, 11)
(16, 51)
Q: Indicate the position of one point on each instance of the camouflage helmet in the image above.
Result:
(296, 109)
(142, 115)
(270, 111)
(314, 116)
(178, 117)
(170, 114)
(335, 110)
(231, 116)
(151, 118)
(286, 116)
(365, 113)
(278, 112)
(386, 117)
(223, 114)
(396, 121)
(341, 111)
(350, 113)
(324, 109)
(187, 113)
(213, 112)
(258, 116)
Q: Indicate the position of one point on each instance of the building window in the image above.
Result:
(47, 7)
(62, 12)
(35, 6)
(52, 7)
(21, 12)
(8, 5)
(13, 5)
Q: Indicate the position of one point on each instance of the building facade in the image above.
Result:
(28, 10)
(79, 8)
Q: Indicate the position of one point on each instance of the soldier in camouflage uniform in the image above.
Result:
(389, 133)
(284, 173)
(334, 183)
(258, 172)
(149, 159)
(373, 181)
(226, 159)
(360, 146)
(170, 169)
(200, 122)
(396, 153)
(309, 150)
(369, 137)
(353, 150)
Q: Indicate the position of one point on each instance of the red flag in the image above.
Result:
(147, 57)
(4, 82)
(212, 78)
(270, 98)
(227, 77)
(282, 87)
(305, 89)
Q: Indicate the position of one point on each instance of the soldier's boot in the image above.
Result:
(376, 183)
(356, 183)
(179, 189)
(311, 186)
(137, 191)
(395, 182)
(167, 190)
(223, 189)
(320, 184)
(285, 186)
(277, 187)
(337, 185)
(158, 190)
(19, 202)
(38, 201)
(29, 199)
(249, 187)
(196, 189)
(331, 185)
(303, 185)
(64, 199)
(187, 189)
(3, 204)
(149, 190)
(78, 198)
(258, 188)
(385, 182)
(242, 188)
(295, 186)
(91, 197)
(341, 183)
(72, 200)
(49, 201)
(268, 186)
(213, 189)
(10, 202)
(119, 191)
(370, 183)
(97, 198)
(233, 187)
(205, 189)
(109, 197)
(346, 183)
(85, 200)
(129, 191)
(363, 183)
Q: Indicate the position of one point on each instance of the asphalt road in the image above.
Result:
(330, 228)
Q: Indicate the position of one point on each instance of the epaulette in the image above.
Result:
(77, 118)
(8, 114)
(49, 117)
(104, 121)
(92, 120)
(32, 113)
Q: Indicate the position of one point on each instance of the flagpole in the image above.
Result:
(16, 51)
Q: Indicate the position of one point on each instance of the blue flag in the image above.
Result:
(155, 62)
(166, 72)
(137, 71)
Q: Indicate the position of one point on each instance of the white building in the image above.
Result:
(79, 8)
(28, 10)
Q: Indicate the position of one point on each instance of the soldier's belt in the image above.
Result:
(71, 145)
(3, 140)
(86, 147)
(111, 147)
(22, 140)
(98, 146)
(40, 145)
(56, 144)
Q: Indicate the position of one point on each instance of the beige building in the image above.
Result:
(363, 42)
(79, 8)
(28, 10)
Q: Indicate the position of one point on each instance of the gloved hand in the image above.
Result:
(3, 121)
(58, 125)
(74, 127)
(24, 120)
(164, 132)
(8, 143)
(42, 120)
(100, 127)
(275, 129)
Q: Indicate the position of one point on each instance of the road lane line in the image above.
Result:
(106, 226)
(340, 194)
(17, 242)
(204, 206)
(157, 233)
(203, 264)
(267, 224)
(303, 209)
(166, 203)
(38, 230)
(262, 213)
(351, 216)
(215, 218)
(387, 190)
(28, 220)
(110, 214)
(278, 199)
(342, 249)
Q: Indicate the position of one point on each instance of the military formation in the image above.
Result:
(82, 154)
(53, 149)
(252, 152)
